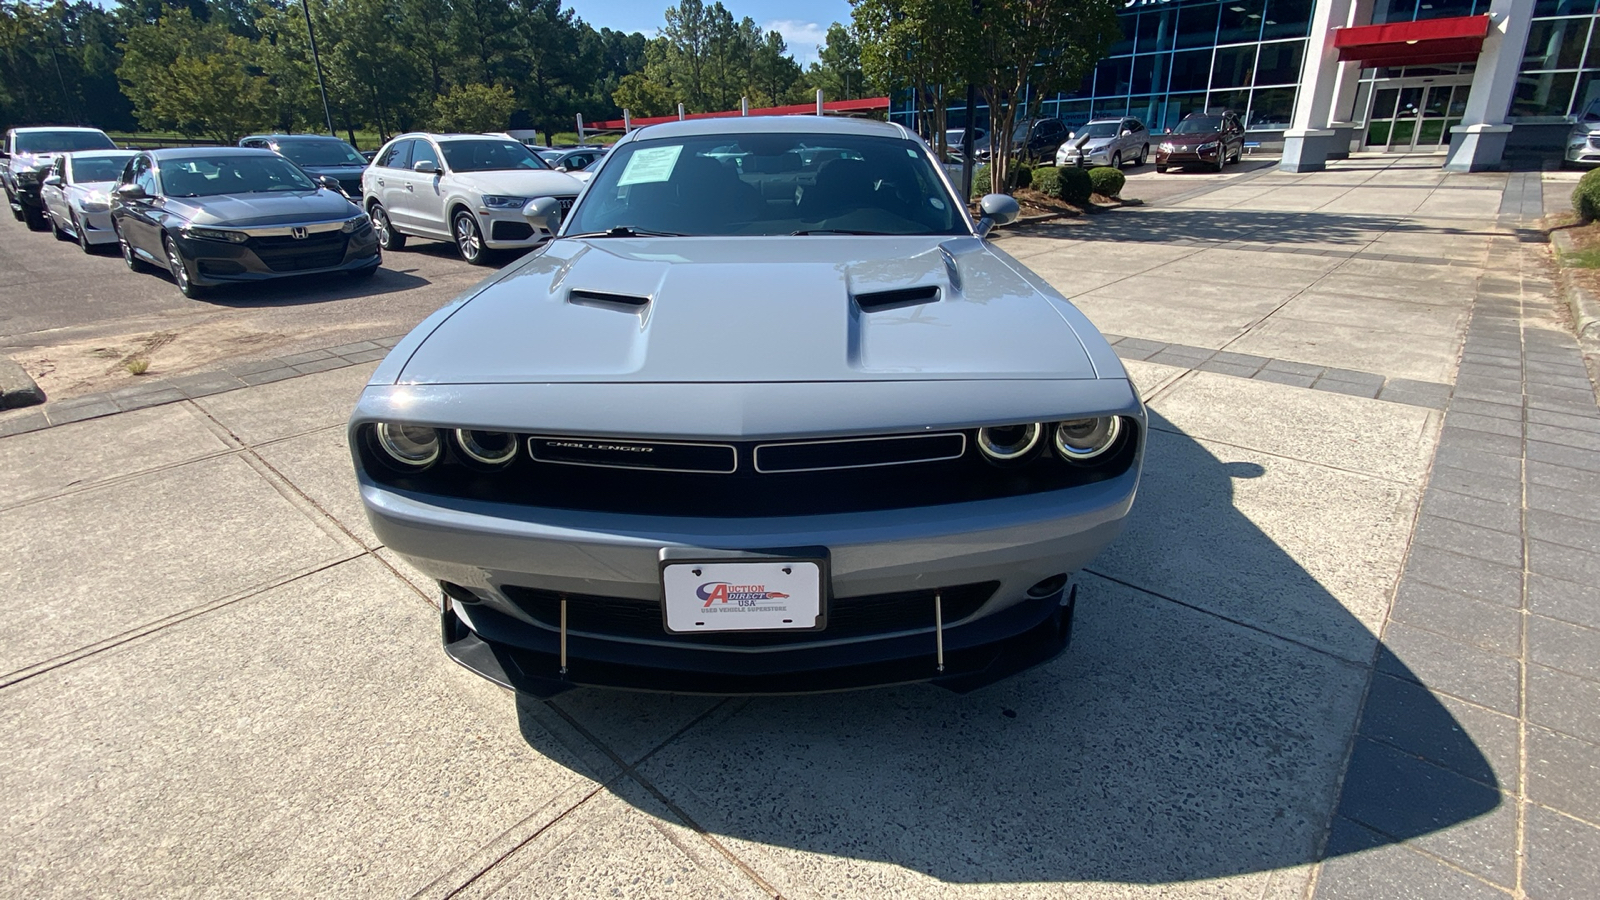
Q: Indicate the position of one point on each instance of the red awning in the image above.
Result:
(1420, 43)
(837, 107)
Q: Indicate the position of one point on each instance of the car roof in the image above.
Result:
(86, 154)
(195, 152)
(33, 129)
(771, 125)
(453, 136)
(1107, 119)
(298, 137)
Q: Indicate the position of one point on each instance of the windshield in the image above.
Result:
(62, 141)
(489, 155)
(769, 184)
(1198, 126)
(321, 153)
(209, 176)
(97, 168)
(1099, 130)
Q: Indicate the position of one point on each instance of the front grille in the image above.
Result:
(658, 456)
(510, 231)
(848, 617)
(283, 253)
(859, 453)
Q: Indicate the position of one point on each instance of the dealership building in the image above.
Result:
(1320, 78)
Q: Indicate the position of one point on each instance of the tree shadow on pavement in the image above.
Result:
(1162, 225)
(1178, 738)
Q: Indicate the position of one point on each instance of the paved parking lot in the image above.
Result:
(1346, 647)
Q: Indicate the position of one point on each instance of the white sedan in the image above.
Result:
(76, 195)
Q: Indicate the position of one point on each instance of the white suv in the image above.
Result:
(466, 188)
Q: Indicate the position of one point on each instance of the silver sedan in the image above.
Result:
(769, 414)
(1106, 142)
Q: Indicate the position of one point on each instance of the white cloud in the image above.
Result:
(803, 38)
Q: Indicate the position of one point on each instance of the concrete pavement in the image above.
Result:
(1345, 649)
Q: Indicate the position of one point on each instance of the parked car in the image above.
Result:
(576, 162)
(76, 195)
(318, 155)
(465, 188)
(750, 425)
(1029, 140)
(1106, 142)
(1583, 141)
(219, 215)
(1210, 138)
(30, 150)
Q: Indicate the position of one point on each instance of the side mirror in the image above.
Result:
(562, 168)
(53, 181)
(543, 213)
(998, 209)
(426, 168)
(131, 192)
(330, 182)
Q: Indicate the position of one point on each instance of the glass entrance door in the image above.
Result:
(1414, 117)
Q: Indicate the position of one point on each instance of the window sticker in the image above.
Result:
(650, 165)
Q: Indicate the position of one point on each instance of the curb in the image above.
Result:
(16, 387)
(1584, 305)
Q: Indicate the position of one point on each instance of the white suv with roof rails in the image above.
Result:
(465, 188)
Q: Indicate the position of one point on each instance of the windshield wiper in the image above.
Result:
(625, 231)
(844, 231)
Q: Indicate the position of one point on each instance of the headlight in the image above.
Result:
(1166, 147)
(490, 448)
(1210, 145)
(412, 446)
(495, 201)
(95, 203)
(1008, 443)
(1080, 440)
(214, 234)
(26, 176)
(355, 224)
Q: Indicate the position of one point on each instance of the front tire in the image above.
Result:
(1160, 169)
(34, 217)
(129, 258)
(179, 267)
(469, 239)
(1144, 154)
(55, 229)
(388, 238)
(16, 205)
(1116, 160)
(83, 236)
(1222, 159)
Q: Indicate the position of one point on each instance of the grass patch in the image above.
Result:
(137, 366)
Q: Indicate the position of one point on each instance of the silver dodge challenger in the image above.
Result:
(770, 414)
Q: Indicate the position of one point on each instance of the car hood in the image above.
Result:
(263, 209)
(1186, 140)
(343, 173)
(27, 162)
(755, 310)
(527, 183)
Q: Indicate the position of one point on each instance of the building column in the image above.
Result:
(1479, 142)
(1343, 115)
(1308, 141)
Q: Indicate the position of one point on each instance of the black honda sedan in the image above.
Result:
(214, 215)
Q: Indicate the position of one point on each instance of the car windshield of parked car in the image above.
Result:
(1198, 126)
(210, 176)
(62, 141)
(768, 184)
(97, 168)
(489, 155)
(1099, 130)
(321, 153)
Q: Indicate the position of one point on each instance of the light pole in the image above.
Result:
(317, 61)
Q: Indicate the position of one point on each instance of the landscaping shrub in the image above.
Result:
(980, 181)
(1107, 181)
(1586, 196)
(1021, 175)
(1047, 181)
(1075, 185)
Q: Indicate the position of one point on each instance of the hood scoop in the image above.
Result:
(607, 300)
(878, 301)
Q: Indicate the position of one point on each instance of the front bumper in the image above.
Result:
(1084, 160)
(1585, 154)
(96, 227)
(220, 262)
(507, 229)
(1180, 155)
(498, 552)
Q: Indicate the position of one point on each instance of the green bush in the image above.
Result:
(1586, 196)
(1021, 174)
(1047, 181)
(1075, 185)
(980, 181)
(1107, 181)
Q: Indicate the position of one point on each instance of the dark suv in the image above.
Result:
(318, 154)
(1211, 138)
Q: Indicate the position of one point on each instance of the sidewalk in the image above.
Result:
(1347, 647)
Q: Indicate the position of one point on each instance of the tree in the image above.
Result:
(196, 77)
(773, 72)
(925, 46)
(837, 70)
(1027, 50)
(474, 108)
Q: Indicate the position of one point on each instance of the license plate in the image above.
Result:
(775, 595)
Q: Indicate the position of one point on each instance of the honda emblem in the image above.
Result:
(299, 232)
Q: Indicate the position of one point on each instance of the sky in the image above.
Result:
(803, 23)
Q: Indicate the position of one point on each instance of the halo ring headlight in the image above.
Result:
(1009, 443)
(411, 446)
(1081, 440)
(489, 448)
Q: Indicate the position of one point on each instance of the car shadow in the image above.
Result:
(1178, 738)
(303, 290)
